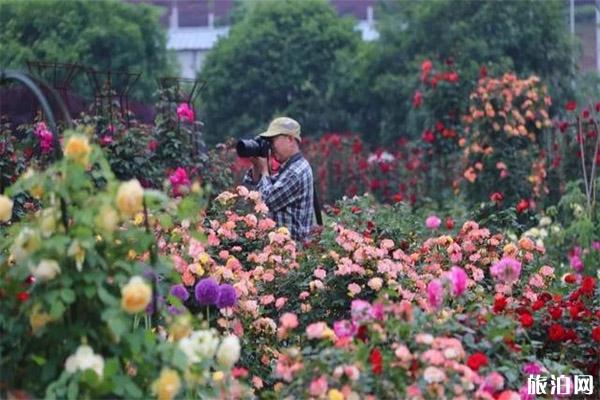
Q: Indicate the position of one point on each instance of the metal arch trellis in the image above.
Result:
(104, 91)
(60, 75)
(173, 90)
(36, 86)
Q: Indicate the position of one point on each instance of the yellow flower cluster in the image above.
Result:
(136, 295)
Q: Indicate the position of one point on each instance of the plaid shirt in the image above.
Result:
(289, 195)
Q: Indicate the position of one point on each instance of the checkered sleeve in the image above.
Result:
(283, 192)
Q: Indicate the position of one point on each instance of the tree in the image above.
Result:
(527, 37)
(100, 34)
(280, 58)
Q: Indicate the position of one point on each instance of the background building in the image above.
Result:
(194, 26)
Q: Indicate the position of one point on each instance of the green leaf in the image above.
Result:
(57, 309)
(68, 295)
(106, 297)
(73, 390)
(39, 360)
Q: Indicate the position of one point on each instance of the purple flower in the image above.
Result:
(596, 245)
(433, 222)
(206, 291)
(180, 292)
(226, 296)
(174, 310)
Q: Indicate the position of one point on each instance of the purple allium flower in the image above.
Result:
(174, 310)
(207, 291)
(227, 296)
(180, 292)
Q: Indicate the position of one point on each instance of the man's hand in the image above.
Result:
(260, 167)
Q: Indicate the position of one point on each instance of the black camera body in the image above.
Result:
(257, 147)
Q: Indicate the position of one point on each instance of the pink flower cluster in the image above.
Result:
(185, 113)
(45, 136)
(179, 181)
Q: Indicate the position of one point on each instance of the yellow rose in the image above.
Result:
(38, 319)
(6, 206)
(218, 376)
(136, 295)
(335, 394)
(129, 197)
(78, 149)
(181, 327)
(37, 191)
(107, 219)
(167, 385)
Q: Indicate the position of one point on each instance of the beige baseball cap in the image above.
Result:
(283, 126)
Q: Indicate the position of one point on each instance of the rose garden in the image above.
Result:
(456, 261)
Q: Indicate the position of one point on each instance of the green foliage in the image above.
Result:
(99, 34)
(279, 59)
(466, 35)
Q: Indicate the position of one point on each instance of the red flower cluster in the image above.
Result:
(376, 361)
(477, 360)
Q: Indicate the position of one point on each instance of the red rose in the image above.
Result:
(522, 206)
(571, 105)
(398, 197)
(574, 311)
(585, 113)
(439, 126)
(555, 312)
(376, 361)
(428, 136)
(449, 223)
(588, 285)
(556, 332)
(22, 296)
(363, 333)
(497, 197)
(499, 304)
(537, 305)
(417, 99)
(570, 278)
(482, 72)
(477, 361)
(596, 334)
(526, 320)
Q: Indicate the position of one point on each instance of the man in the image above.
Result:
(289, 194)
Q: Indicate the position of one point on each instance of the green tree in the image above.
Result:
(280, 58)
(527, 37)
(99, 34)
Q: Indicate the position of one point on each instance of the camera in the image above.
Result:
(257, 147)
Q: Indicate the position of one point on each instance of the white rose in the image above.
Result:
(545, 221)
(45, 270)
(199, 345)
(433, 375)
(83, 359)
(229, 351)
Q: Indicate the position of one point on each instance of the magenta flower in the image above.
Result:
(206, 291)
(432, 222)
(227, 296)
(45, 137)
(360, 310)
(179, 177)
(508, 270)
(344, 328)
(185, 113)
(458, 278)
(596, 245)
(435, 293)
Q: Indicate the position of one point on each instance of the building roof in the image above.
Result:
(196, 38)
